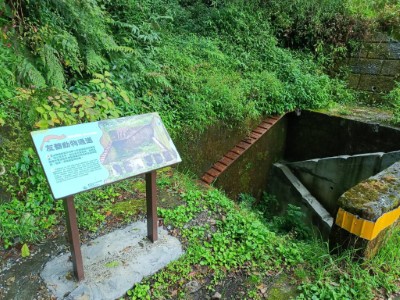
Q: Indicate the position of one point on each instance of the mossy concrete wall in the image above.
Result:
(201, 149)
(369, 200)
(316, 135)
(250, 172)
(376, 66)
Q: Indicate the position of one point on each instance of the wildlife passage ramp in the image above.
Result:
(231, 156)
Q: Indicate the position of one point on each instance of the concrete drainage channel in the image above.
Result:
(325, 179)
(313, 161)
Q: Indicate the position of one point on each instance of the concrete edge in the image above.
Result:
(309, 199)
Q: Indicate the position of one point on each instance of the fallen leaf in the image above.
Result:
(25, 251)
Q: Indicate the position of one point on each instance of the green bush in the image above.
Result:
(195, 61)
(394, 101)
(32, 211)
(8, 62)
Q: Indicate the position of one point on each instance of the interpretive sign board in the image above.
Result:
(81, 157)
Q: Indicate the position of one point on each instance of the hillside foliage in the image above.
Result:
(187, 59)
(195, 62)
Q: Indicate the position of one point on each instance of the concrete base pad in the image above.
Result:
(113, 263)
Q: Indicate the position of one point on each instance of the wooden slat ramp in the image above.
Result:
(229, 158)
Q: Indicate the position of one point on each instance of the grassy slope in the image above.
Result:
(225, 240)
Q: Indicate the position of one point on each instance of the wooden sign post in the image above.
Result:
(73, 237)
(151, 203)
(82, 157)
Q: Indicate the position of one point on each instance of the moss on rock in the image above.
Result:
(374, 196)
(281, 289)
(129, 208)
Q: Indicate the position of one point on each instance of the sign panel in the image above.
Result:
(81, 157)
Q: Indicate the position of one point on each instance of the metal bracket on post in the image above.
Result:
(151, 200)
(73, 237)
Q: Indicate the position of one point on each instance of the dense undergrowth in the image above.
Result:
(195, 62)
(394, 99)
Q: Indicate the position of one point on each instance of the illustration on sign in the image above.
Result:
(81, 157)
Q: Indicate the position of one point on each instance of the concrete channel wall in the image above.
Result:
(293, 138)
(250, 171)
(307, 161)
(316, 185)
(315, 135)
(328, 178)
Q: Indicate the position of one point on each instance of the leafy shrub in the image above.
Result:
(64, 39)
(394, 100)
(324, 27)
(32, 208)
(32, 211)
(49, 107)
(267, 92)
(193, 61)
(389, 18)
(8, 62)
(385, 13)
(282, 220)
(305, 24)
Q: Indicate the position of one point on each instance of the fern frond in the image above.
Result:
(6, 74)
(54, 70)
(94, 62)
(121, 49)
(68, 47)
(134, 29)
(29, 75)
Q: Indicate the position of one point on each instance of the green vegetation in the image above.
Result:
(224, 238)
(294, 220)
(196, 62)
(32, 210)
(394, 101)
(385, 14)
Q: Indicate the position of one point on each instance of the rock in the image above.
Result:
(10, 281)
(262, 288)
(83, 297)
(192, 286)
(216, 296)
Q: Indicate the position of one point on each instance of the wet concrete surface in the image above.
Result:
(112, 263)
